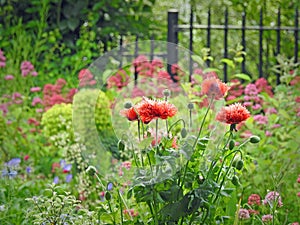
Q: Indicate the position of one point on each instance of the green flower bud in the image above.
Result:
(121, 145)
(231, 144)
(166, 93)
(127, 105)
(107, 196)
(235, 181)
(239, 165)
(254, 139)
(190, 106)
(183, 132)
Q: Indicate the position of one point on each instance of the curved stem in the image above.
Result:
(223, 180)
(180, 120)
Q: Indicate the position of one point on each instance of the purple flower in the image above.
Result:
(109, 186)
(260, 119)
(267, 218)
(244, 214)
(28, 169)
(256, 107)
(272, 197)
(56, 180)
(62, 163)
(13, 162)
(69, 178)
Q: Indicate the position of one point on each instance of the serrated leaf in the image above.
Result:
(243, 76)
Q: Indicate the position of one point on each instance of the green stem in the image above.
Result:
(155, 205)
(121, 211)
(224, 177)
(198, 136)
(139, 132)
(156, 132)
(176, 123)
(110, 209)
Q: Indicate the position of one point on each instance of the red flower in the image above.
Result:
(213, 87)
(26, 157)
(233, 114)
(129, 113)
(149, 109)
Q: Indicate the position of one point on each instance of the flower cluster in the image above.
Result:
(119, 80)
(27, 68)
(53, 94)
(86, 78)
(65, 169)
(148, 110)
(271, 198)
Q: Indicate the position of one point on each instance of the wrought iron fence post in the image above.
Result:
(172, 51)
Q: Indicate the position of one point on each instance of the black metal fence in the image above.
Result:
(174, 28)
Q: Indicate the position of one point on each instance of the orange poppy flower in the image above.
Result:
(233, 114)
(213, 87)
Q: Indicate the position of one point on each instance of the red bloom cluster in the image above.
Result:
(213, 87)
(254, 199)
(86, 78)
(148, 110)
(233, 114)
(53, 94)
(119, 80)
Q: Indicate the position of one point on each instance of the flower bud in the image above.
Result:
(190, 106)
(235, 181)
(239, 165)
(231, 144)
(254, 139)
(107, 196)
(127, 105)
(166, 93)
(183, 133)
(121, 145)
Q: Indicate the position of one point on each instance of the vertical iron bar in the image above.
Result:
(191, 44)
(278, 41)
(260, 44)
(172, 52)
(136, 52)
(244, 40)
(225, 44)
(121, 52)
(296, 35)
(208, 34)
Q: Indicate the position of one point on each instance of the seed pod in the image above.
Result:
(231, 144)
(254, 139)
(107, 196)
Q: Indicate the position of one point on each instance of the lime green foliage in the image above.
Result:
(57, 124)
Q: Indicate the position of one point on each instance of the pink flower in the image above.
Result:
(271, 111)
(256, 107)
(39, 110)
(9, 77)
(16, 95)
(26, 157)
(27, 68)
(233, 114)
(298, 180)
(126, 164)
(260, 119)
(244, 214)
(268, 133)
(33, 121)
(295, 223)
(272, 197)
(276, 126)
(251, 90)
(267, 218)
(254, 199)
(35, 89)
(36, 100)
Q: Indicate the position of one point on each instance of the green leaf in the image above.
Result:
(211, 70)
(229, 62)
(243, 76)
(73, 23)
